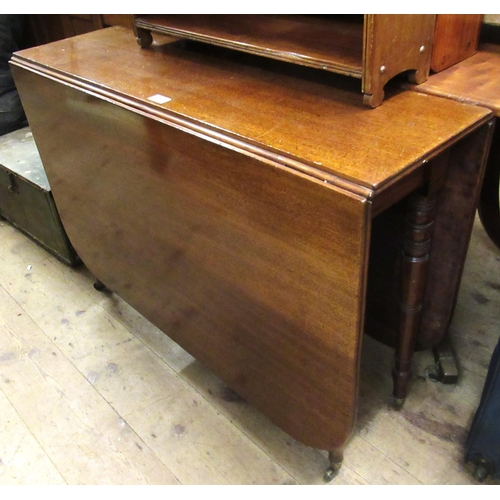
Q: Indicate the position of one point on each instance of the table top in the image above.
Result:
(476, 80)
(305, 119)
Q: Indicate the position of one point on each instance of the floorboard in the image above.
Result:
(92, 393)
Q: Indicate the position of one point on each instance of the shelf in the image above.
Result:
(371, 47)
(331, 43)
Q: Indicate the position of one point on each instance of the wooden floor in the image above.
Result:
(91, 393)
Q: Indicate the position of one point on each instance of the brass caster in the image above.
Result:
(335, 457)
(330, 473)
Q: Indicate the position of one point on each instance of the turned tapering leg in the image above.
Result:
(417, 243)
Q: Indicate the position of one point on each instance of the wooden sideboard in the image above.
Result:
(237, 204)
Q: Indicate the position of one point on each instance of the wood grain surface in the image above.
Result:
(372, 47)
(455, 38)
(475, 80)
(257, 272)
(333, 43)
(93, 393)
(263, 104)
(456, 208)
(223, 235)
(239, 231)
(394, 44)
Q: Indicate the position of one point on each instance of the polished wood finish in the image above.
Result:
(456, 37)
(455, 211)
(477, 81)
(221, 267)
(373, 48)
(474, 80)
(297, 39)
(245, 240)
(318, 103)
(393, 44)
(154, 415)
(78, 24)
(419, 226)
(46, 28)
(125, 20)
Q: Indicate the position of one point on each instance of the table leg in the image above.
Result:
(336, 457)
(417, 243)
(144, 38)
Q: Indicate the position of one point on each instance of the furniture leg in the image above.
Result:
(416, 246)
(144, 38)
(374, 100)
(336, 457)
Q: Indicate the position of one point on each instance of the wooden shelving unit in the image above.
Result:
(370, 47)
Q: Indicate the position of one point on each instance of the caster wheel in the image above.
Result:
(431, 373)
(99, 286)
(329, 474)
(480, 473)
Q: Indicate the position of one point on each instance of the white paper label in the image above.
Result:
(160, 99)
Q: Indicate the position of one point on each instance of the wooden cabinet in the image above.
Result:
(372, 47)
(46, 28)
